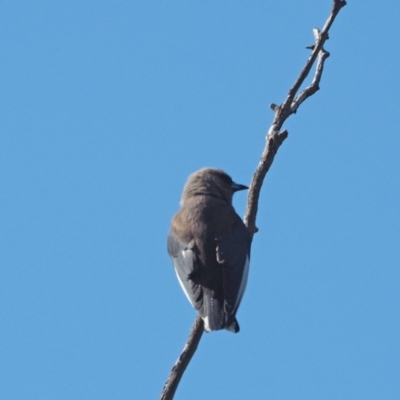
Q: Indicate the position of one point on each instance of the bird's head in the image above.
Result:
(211, 182)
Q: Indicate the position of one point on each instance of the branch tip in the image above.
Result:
(274, 107)
(340, 3)
(325, 54)
(316, 33)
(284, 134)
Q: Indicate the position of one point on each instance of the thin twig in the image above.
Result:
(274, 139)
(314, 87)
(323, 36)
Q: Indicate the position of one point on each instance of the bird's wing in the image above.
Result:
(184, 258)
(233, 253)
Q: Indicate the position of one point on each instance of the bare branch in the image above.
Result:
(314, 86)
(178, 369)
(323, 36)
(273, 143)
(274, 139)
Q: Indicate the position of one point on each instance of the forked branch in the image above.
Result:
(281, 113)
(274, 139)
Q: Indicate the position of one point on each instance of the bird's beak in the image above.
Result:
(237, 186)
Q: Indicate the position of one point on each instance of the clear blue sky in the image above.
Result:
(106, 108)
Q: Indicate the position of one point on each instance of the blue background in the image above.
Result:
(106, 108)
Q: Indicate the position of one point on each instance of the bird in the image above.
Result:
(210, 248)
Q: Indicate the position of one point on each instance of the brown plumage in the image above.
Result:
(210, 248)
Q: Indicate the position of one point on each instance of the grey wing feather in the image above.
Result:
(184, 259)
(233, 252)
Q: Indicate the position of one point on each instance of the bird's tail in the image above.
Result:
(213, 314)
(214, 317)
(231, 324)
